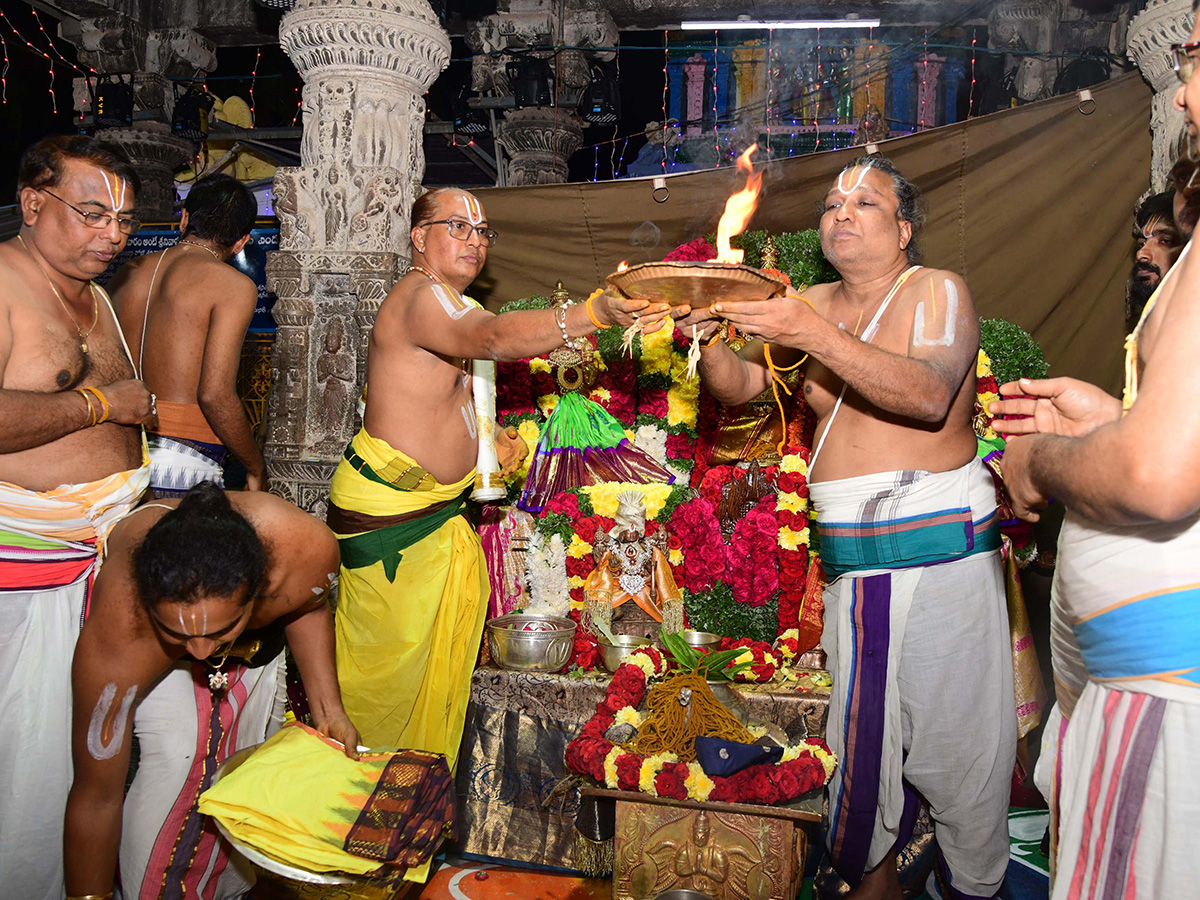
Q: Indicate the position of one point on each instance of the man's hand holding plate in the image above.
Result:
(786, 320)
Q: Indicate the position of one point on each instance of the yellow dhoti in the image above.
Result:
(412, 599)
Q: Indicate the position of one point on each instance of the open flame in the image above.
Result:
(738, 210)
(622, 266)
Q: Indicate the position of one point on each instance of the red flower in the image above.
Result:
(679, 446)
(629, 769)
(698, 250)
(674, 543)
(586, 652)
(669, 784)
(653, 403)
(586, 529)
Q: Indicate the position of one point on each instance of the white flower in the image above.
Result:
(546, 567)
(653, 440)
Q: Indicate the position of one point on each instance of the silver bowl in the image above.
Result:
(613, 654)
(545, 649)
(701, 640)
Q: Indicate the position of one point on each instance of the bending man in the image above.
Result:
(184, 648)
(414, 588)
(185, 313)
(71, 464)
(916, 624)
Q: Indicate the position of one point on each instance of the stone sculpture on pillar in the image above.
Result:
(150, 58)
(343, 218)
(540, 140)
(1151, 34)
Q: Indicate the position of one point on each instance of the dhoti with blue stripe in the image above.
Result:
(916, 632)
(1126, 614)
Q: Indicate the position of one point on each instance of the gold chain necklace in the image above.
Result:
(214, 253)
(83, 335)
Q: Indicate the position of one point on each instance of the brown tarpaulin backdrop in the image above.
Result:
(1033, 205)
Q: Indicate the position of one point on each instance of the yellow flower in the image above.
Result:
(539, 365)
(610, 767)
(757, 731)
(790, 539)
(577, 604)
(656, 350)
(630, 436)
(675, 557)
(747, 656)
(792, 503)
(681, 410)
(530, 433)
(546, 403)
(604, 497)
(793, 462)
(792, 634)
(600, 395)
(983, 366)
(628, 716)
(698, 785)
(651, 766)
(575, 581)
(579, 548)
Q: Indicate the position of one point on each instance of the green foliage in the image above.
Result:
(712, 665)
(800, 255)
(534, 301)
(1013, 352)
(557, 523)
(717, 612)
(609, 344)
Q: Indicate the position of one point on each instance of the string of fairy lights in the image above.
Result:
(722, 125)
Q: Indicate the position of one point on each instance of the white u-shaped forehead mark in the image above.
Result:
(847, 191)
(474, 210)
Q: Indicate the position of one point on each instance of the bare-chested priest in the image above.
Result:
(414, 583)
(915, 619)
(71, 464)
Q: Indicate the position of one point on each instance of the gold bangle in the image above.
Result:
(107, 896)
(87, 398)
(713, 341)
(592, 315)
(103, 403)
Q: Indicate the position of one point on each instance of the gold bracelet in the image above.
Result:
(103, 403)
(712, 342)
(592, 314)
(107, 896)
(87, 398)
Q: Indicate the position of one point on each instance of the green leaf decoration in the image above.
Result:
(1013, 351)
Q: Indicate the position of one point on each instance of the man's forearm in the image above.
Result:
(729, 378)
(31, 419)
(524, 333)
(91, 841)
(228, 420)
(310, 637)
(897, 384)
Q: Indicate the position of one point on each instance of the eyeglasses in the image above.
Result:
(461, 231)
(1185, 63)
(127, 224)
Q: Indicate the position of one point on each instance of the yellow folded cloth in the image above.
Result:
(299, 799)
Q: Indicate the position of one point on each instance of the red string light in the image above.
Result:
(4, 72)
(716, 130)
(253, 77)
(817, 101)
(41, 53)
(666, 57)
(770, 86)
(299, 103)
(870, 52)
(971, 96)
(924, 76)
(51, 44)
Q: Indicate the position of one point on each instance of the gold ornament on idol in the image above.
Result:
(83, 335)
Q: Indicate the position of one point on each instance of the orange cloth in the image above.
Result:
(185, 421)
(604, 583)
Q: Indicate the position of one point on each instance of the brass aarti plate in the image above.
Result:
(694, 284)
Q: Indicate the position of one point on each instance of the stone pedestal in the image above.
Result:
(1151, 34)
(539, 141)
(343, 218)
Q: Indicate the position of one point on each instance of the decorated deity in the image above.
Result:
(633, 566)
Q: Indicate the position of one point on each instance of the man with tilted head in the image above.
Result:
(916, 625)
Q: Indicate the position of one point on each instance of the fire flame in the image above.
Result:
(622, 266)
(738, 210)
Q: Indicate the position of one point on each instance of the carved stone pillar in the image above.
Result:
(927, 72)
(1151, 34)
(694, 68)
(540, 140)
(343, 218)
(116, 45)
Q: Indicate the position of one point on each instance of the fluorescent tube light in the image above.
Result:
(787, 24)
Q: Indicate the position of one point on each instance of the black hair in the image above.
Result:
(41, 164)
(424, 206)
(911, 202)
(202, 548)
(220, 208)
(1160, 206)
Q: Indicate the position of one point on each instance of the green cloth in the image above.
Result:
(386, 545)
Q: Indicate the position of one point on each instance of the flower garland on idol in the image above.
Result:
(804, 767)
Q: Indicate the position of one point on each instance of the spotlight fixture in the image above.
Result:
(190, 120)
(531, 80)
(114, 103)
(601, 101)
(778, 24)
(468, 120)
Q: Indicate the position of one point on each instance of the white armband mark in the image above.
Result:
(95, 742)
(468, 414)
(452, 301)
(920, 339)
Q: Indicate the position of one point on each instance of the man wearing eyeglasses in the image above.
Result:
(414, 588)
(72, 462)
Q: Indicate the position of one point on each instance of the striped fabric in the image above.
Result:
(176, 465)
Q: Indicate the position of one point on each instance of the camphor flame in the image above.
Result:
(738, 210)
(622, 266)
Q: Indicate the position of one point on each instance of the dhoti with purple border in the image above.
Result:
(916, 632)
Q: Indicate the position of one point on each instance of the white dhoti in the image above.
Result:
(169, 850)
(1126, 643)
(916, 632)
(48, 557)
